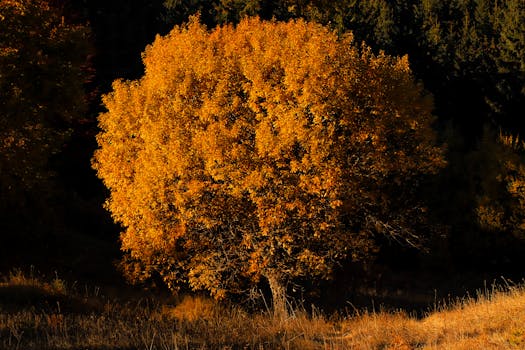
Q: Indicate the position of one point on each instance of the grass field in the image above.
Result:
(39, 313)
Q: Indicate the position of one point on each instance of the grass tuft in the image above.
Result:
(40, 314)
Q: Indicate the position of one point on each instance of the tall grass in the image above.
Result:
(40, 314)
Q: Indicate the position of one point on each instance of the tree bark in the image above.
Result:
(278, 290)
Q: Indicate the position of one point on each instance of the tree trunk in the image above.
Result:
(278, 290)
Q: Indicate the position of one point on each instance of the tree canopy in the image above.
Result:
(263, 150)
(469, 53)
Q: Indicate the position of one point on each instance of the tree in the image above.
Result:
(370, 20)
(474, 55)
(469, 53)
(501, 203)
(267, 150)
(42, 59)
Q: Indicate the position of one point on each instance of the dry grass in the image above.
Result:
(37, 314)
(492, 320)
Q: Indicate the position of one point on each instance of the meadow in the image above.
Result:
(48, 313)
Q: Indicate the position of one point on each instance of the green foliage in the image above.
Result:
(370, 20)
(478, 47)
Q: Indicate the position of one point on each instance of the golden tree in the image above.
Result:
(267, 150)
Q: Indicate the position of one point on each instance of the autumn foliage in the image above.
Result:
(266, 150)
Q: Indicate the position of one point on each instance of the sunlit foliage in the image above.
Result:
(264, 150)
